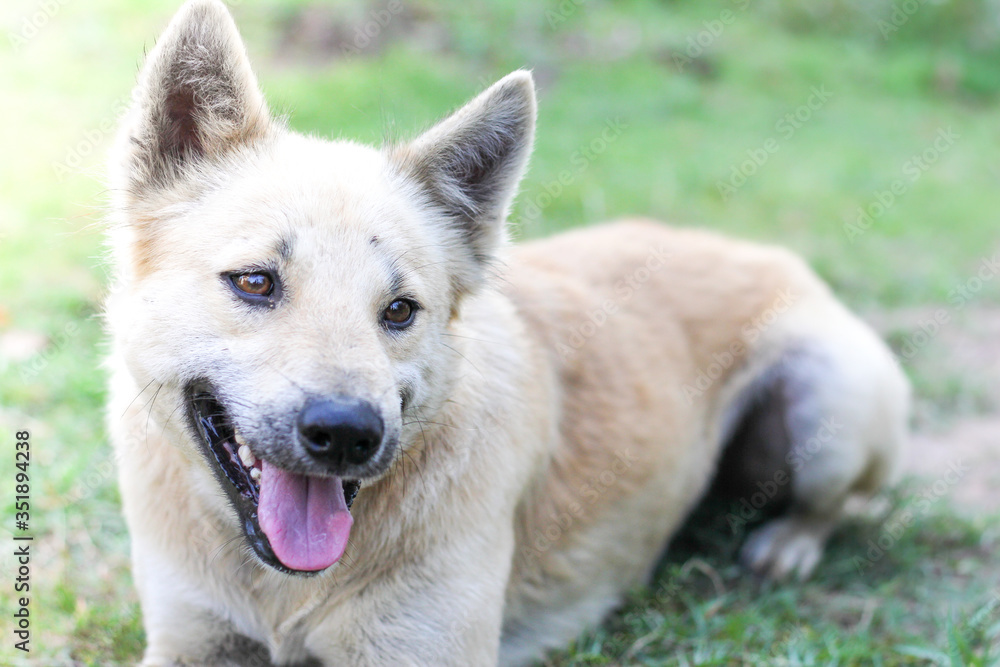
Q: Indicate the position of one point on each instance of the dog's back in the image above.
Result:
(663, 341)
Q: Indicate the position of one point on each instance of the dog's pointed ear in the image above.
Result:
(196, 99)
(469, 165)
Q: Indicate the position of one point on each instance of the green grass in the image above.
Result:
(924, 599)
(684, 130)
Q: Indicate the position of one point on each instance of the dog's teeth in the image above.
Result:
(255, 474)
(239, 439)
(246, 456)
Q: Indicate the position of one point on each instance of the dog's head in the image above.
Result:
(292, 297)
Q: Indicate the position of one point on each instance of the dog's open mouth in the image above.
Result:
(296, 523)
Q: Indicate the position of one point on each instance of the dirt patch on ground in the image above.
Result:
(953, 356)
(972, 448)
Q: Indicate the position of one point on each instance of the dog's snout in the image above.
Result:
(340, 431)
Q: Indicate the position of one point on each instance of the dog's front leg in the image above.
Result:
(444, 627)
(224, 650)
(444, 610)
(182, 630)
(203, 643)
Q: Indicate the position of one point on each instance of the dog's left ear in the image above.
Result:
(469, 165)
(196, 100)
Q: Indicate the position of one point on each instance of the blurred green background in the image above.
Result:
(865, 135)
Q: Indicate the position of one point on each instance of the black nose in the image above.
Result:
(340, 431)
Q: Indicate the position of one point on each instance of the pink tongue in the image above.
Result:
(306, 519)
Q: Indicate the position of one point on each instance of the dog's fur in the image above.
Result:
(565, 403)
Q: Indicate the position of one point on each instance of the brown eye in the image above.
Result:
(254, 284)
(400, 313)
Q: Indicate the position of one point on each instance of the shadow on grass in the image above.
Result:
(930, 597)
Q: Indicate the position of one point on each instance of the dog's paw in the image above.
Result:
(786, 547)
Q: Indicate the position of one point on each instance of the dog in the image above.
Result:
(355, 426)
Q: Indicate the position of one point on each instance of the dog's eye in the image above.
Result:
(254, 284)
(399, 314)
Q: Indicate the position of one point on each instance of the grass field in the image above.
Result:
(861, 134)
